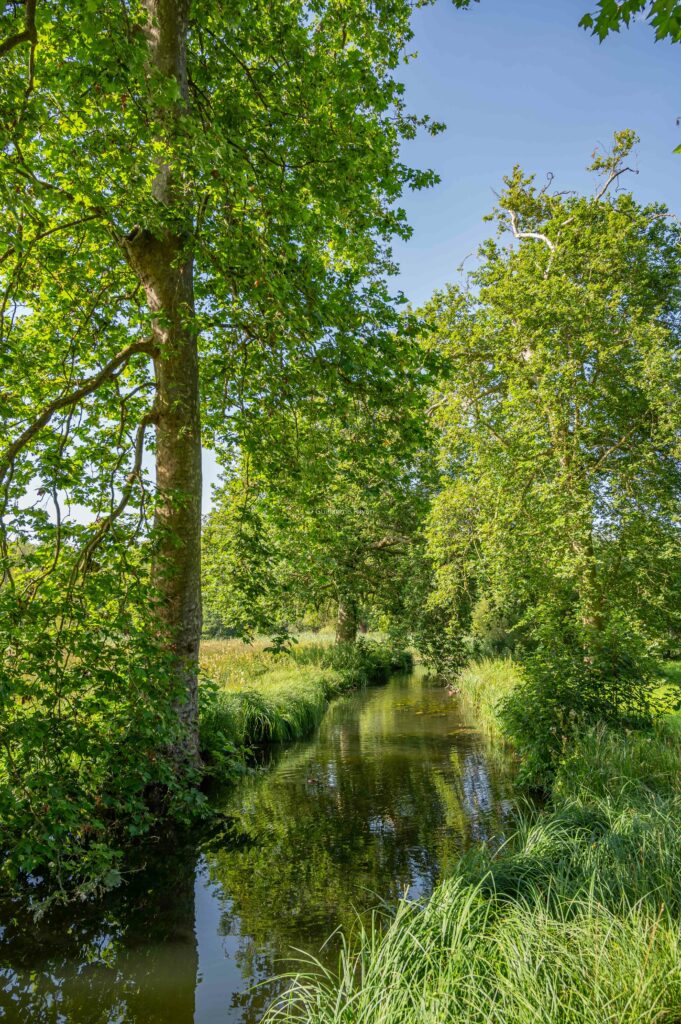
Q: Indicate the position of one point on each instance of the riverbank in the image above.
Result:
(486, 683)
(380, 799)
(576, 919)
(251, 696)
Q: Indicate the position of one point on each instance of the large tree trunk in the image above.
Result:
(347, 621)
(163, 262)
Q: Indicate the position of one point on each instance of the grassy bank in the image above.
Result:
(484, 684)
(487, 682)
(576, 919)
(250, 696)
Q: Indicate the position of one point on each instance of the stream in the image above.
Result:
(397, 782)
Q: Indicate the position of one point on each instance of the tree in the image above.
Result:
(183, 186)
(198, 204)
(560, 436)
(322, 511)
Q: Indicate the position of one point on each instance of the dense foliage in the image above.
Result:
(82, 733)
(322, 515)
(197, 211)
(560, 443)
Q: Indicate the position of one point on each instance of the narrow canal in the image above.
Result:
(396, 784)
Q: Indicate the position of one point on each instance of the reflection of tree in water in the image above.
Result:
(129, 958)
(394, 787)
(385, 799)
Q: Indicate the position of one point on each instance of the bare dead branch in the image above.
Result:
(527, 234)
(613, 176)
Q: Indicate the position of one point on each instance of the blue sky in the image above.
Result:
(516, 81)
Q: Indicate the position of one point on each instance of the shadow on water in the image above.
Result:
(396, 784)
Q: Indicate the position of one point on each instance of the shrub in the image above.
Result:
(440, 640)
(87, 725)
(568, 687)
(492, 632)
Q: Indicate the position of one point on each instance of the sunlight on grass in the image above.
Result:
(250, 695)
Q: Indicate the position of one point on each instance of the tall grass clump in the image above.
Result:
(486, 684)
(604, 835)
(468, 957)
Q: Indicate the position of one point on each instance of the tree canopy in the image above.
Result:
(322, 513)
(198, 203)
(560, 435)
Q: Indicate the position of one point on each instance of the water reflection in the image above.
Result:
(397, 783)
(131, 960)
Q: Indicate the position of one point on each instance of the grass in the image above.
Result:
(576, 920)
(485, 683)
(670, 687)
(251, 696)
(671, 671)
(471, 958)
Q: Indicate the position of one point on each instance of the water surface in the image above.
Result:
(396, 784)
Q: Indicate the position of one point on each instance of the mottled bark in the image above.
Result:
(163, 262)
(347, 621)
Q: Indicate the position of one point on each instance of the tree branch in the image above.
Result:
(527, 234)
(29, 33)
(135, 474)
(49, 231)
(613, 176)
(615, 447)
(84, 389)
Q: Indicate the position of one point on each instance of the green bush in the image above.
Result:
(493, 630)
(367, 661)
(87, 723)
(568, 687)
(439, 639)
